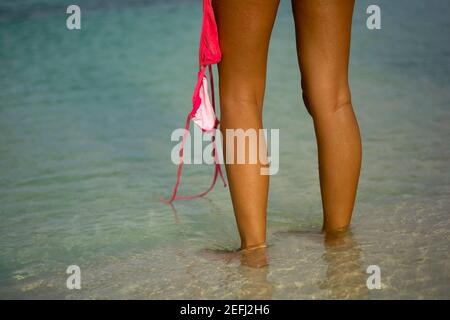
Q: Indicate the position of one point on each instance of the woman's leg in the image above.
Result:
(323, 31)
(244, 32)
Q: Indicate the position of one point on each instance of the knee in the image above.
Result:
(326, 100)
(241, 108)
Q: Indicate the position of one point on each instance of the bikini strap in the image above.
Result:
(217, 166)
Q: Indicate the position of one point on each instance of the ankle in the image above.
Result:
(253, 246)
(335, 229)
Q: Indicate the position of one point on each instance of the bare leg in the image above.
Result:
(323, 30)
(244, 33)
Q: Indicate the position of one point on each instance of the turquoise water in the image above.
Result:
(85, 124)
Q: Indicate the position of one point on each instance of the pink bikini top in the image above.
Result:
(203, 108)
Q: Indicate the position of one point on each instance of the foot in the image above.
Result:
(254, 256)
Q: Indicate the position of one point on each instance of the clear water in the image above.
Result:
(85, 124)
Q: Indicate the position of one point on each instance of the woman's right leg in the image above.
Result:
(245, 27)
(323, 30)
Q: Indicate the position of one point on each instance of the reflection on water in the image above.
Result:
(255, 284)
(175, 213)
(252, 267)
(345, 276)
(334, 271)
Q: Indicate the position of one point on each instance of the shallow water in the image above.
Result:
(85, 124)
